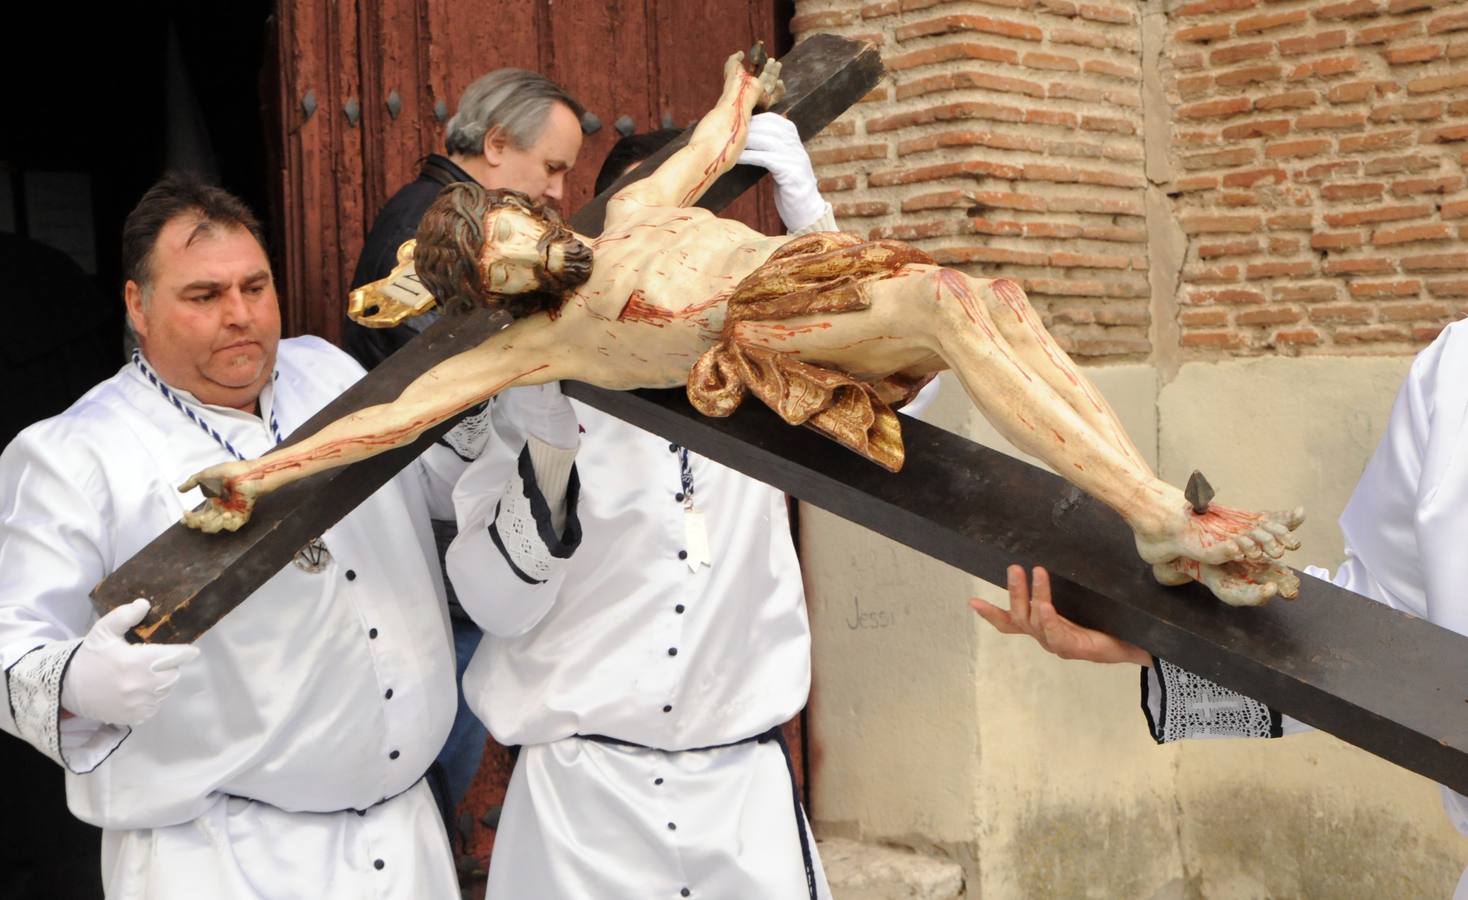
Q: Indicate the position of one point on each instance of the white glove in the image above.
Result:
(774, 145)
(543, 411)
(112, 681)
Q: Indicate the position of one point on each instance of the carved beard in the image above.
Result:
(575, 259)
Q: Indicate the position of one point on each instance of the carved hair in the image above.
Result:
(451, 240)
(516, 101)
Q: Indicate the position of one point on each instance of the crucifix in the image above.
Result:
(881, 314)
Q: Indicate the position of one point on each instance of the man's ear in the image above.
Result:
(132, 297)
(495, 142)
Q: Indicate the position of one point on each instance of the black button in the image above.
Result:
(388, 695)
(685, 892)
(682, 554)
(351, 575)
(678, 609)
(678, 496)
(672, 448)
(667, 709)
(361, 812)
(672, 826)
(378, 864)
(372, 633)
(394, 755)
(657, 781)
(672, 651)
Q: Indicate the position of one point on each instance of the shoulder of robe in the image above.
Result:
(312, 360)
(90, 433)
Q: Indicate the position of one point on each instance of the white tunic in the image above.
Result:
(623, 639)
(287, 705)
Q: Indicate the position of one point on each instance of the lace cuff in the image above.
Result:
(1179, 705)
(33, 685)
(467, 439)
(522, 529)
(826, 221)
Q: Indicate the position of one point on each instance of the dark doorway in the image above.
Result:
(99, 103)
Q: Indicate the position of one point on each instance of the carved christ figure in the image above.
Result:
(829, 330)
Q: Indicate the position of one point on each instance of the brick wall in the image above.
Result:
(1315, 156)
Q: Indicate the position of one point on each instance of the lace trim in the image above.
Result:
(467, 439)
(522, 528)
(34, 687)
(1194, 707)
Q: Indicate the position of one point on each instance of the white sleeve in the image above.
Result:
(52, 552)
(516, 509)
(826, 221)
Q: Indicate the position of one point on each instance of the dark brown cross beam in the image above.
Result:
(194, 579)
(1391, 684)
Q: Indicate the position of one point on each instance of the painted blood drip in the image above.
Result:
(637, 309)
(713, 168)
(958, 286)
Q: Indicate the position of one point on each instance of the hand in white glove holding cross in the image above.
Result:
(112, 681)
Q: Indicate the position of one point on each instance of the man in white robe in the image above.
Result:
(282, 755)
(646, 636)
(1404, 526)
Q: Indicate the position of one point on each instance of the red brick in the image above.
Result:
(937, 200)
(1295, 336)
(1210, 7)
(860, 209)
(1351, 9)
(1269, 21)
(1371, 334)
(1410, 112)
(1228, 248)
(1050, 62)
(1435, 262)
(1281, 269)
(1008, 200)
(1453, 288)
(1201, 34)
(1290, 221)
(1444, 135)
(912, 231)
(1297, 293)
(950, 112)
(1207, 316)
(1434, 83)
(1227, 56)
(1397, 164)
(1289, 100)
(949, 52)
(819, 20)
(1222, 340)
(1113, 233)
(1365, 191)
(1314, 43)
(1111, 69)
(1328, 170)
(1050, 117)
(1227, 272)
(1086, 37)
(1256, 128)
(1451, 22)
(1229, 296)
(1198, 183)
(996, 140)
(1254, 176)
(1284, 246)
(1002, 228)
(1408, 186)
(1342, 313)
(1296, 149)
(1397, 7)
(1067, 91)
(1102, 205)
(1336, 240)
(1217, 224)
(1249, 75)
(1412, 234)
(1328, 121)
(1364, 265)
(1108, 124)
(1214, 109)
(959, 80)
(1070, 175)
(1063, 231)
(1065, 260)
(1356, 91)
(1267, 316)
(1379, 140)
(1409, 312)
(1376, 214)
(1378, 34)
(975, 168)
(995, 255)
(961, 23)
(1456, 210)
(1239, 199)
(848, 153)
(1367, 290)
(1116, 15)
(878, 10)
(1407, 56)
(1325, 68)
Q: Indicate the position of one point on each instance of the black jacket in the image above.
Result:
(397, 222)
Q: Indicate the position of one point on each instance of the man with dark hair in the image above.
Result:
(282, 754)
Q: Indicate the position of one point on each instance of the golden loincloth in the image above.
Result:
(811, 275)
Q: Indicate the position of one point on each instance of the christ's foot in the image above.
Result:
(231, 498)
(1241, 583)
(1219, 535)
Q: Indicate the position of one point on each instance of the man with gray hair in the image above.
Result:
(513, 129)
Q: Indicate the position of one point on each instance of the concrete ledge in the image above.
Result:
(858, 871)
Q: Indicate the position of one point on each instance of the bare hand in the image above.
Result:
(1035, 615)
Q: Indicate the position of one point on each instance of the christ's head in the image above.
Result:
(499, 249)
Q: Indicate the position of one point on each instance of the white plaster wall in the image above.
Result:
(1037, 775)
